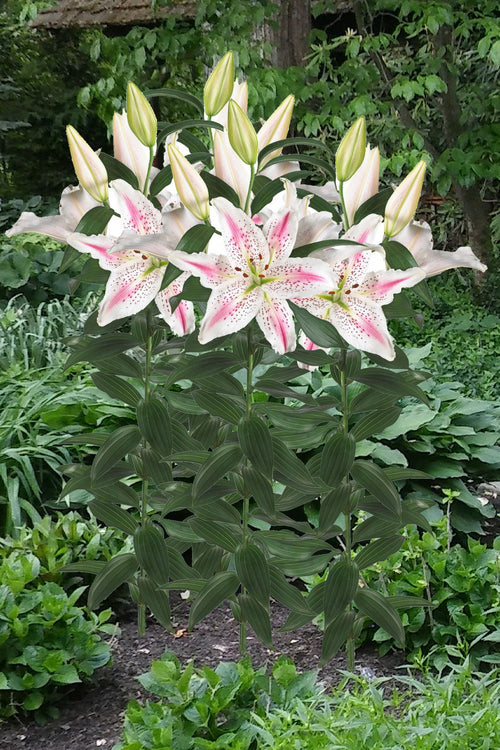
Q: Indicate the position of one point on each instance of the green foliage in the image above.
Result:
(463, 586)
(237, 707)
(47, 642)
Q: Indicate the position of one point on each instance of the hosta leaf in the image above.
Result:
(153, 419)
(222, 459)
(220, 587)
(258, 618)
(116, 387)
(335, 635)
(151, 551)
(374, 423)
(260, 488)
(378, 550)
(113, 516)
(340, 588)
(252, 569)
(255, 443)
(117, 571)
(121, 442)
(337, 458)
(223, 535)
(372, 478)
(156, 600)
(380, 610)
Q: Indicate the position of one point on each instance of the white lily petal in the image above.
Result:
(229, 167)
(280, 232)
(381, 288)
(417, 237)
(136, 212)
(130, 289)
(128, 149)
(242, 239)
(152, 244)
(363, 325)
(211, 269)
(98, 247)
(316, 227)
(363, 184)
(56, 227)
(369, 231)
(75, 202)
(182, 320)
(230, 308)
(300, 277)
(276, 323)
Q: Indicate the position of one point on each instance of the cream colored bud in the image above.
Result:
(351, 152)
(141, 117)
(242, 135)
(191, 189)
(275, 128)
(89, 169)
(219, 87)
(402, 204)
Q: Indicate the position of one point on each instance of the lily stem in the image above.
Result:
(246, 499)
(350, 648)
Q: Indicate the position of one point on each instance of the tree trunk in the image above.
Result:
(286, 33)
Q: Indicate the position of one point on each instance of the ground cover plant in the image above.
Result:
(229, 443)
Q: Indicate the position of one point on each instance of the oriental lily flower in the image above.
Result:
(135, 250)
(362, 185)
(353, 304)
(253, 276)
(74, 204)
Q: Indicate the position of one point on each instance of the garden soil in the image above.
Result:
(91, 715)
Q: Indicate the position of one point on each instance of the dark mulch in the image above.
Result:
(91, 716)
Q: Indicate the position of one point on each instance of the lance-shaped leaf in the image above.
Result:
(223, 459)
(255, 442)
(216, 509)
(260, 488)
(117, 388)
(154, 423)
(337, 458)
(113, 516)
(333, 504)
(252, 569)
(222, 534)
(378, 550)
(340, 588)
(156, 600)
(289, 468)
(117, 571)
(375, 527)
(287, 594)
(152, 553)
(372, 478)
(229, 409)
(380, 610)
(321, 332)
(258, 618)
(220, 587)
(374, 423)
(117, 494)
(335, 635)
(121, 442)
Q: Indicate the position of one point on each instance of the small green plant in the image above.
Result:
(463, 584)
(47, 641)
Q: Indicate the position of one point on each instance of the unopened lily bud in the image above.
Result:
(219, 87)
(402, 204)
(351, 152)
(89, 169)
(242, 135)
(363, 184)
(140, 116)
(191, 189)
(275, 128)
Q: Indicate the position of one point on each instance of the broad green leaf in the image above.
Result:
(372, 478)
(155, 467)
(225, 407)
(97, 350)
(340, 588)
(405, 602)
(151, 551)
(113, 516)
(400, 361)
(380, 610)
(374, 423)
(121, 442)
(258, 618)
(395, 473)
(160, 181)
(374, 528)
(117, 388)
(293, 567)
(202, 366)
(252, 569)
(222, 459)
(216, 509)
(374, 205)
(117, 571)
(222, 534)
(333, 504)
(156, 600)
(183, 402)
(153, 419)
(285, 593)
(220, 587)
(255, 443)
(316, 161)
(93, 567)
(217, 187)
(378, 550)
(387, 381)
(335, 635)
(265, 194)
(118, 171)
(180, 530)
(94, 221)
(337, 458)
(320, 331)
(289, 142)
(370, 400)
(260, 488)
(289, 469)
(195, 239)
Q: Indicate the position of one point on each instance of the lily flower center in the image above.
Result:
(255, 272)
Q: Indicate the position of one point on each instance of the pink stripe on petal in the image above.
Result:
(276, 322)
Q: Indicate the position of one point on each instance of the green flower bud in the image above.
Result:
(219, 87)
(242, 135)
(89, 169)
(402, 204)
(351, 152)
(140, 115)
